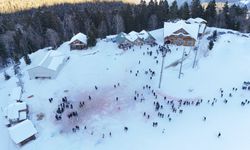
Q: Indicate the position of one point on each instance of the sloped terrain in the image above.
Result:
(127, 95)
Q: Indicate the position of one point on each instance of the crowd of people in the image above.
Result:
(163, 107)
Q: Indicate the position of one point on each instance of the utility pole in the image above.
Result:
(164, 51)
(182, 59)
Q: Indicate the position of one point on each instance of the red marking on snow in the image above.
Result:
(169, 97)
(31, 96)
(103, 103)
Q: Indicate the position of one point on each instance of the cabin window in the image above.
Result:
(189, 43)
(180, 36)
(179, 42)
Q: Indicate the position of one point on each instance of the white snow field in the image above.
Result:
(225, 67)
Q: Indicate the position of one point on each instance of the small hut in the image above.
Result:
(15, 113)
(22, 132)
(78, 42)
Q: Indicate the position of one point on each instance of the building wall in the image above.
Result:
(150, 41)
(77, 45)
(41, 72)
(138, 42)
(184, 40)
(125, 44)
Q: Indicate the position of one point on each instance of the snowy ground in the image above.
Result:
(104, 66)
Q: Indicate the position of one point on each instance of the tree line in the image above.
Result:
(26, 31)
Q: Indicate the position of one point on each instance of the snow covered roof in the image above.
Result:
(132, 36)
(144, 34)
(122, 34)
(12, 112)
(171, 27)
(16, 93)
(80, 36)
(52, 60)
(199, 21)
(111, 36)
(196, 20)
(22, 131)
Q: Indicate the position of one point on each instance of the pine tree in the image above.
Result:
(151, 7)
(6, 76)
(27, 59)
(237, 26)
(92, 37)
(173, 10)
(128, 18)
(15, 57)
(184, 11)
(163, 11)
(210, 13)
(211, 45)
(226, 15)
(142, 2)
(196, 9)
(166, 6)
(214, 36)
(3, 54)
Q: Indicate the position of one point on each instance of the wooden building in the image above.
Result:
(181, 33)
(147, 38)
(122, 41)
(134, 38)
(78, 42)
(126, 41)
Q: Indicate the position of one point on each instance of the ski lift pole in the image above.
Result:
(164, 52)
(182, 59)
(195, 57)
(196, 49)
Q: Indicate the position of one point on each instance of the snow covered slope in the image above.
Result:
(123, 95)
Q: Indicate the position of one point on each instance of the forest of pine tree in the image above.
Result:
(26, 31)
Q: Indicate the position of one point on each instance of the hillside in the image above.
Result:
(231, 2)
(121, 74)
(9, 6)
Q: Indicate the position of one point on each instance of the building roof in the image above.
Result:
(132, 36)
(52, 60)
(199, 21)
(111, 36)
(171, 27)
(22, 131)
(145, 35)
(12, 112)
(16, 93)
(196, 20)
(80, 36)
(121, 37)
